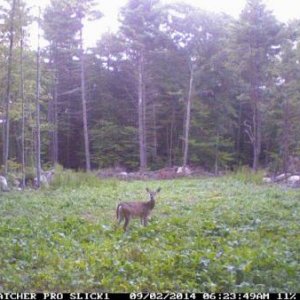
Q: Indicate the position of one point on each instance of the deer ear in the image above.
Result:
(158, 190)
(147, 190)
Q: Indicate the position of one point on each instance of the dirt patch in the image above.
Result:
(161, 174)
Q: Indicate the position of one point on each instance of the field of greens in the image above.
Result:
(205, 234)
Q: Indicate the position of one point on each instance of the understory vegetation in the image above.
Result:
(173, 85)
(205, 234)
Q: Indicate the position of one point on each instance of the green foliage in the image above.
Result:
(247, 175)
(13, 165)
(114, 145)
(73, 179)
(214, 235)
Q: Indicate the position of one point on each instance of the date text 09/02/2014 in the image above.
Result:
(214, 296)
(150, 296)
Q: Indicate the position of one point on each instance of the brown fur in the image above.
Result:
(142, 210)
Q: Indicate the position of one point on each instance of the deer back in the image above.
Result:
(137, 209)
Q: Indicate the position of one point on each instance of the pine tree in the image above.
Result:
(257, 38)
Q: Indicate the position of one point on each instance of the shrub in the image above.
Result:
(247, 175)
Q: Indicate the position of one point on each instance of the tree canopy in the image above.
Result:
(175, 85)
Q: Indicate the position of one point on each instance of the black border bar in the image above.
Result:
(149, 296)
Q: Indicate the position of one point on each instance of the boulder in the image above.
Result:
(184, 171)
(43, 181)
(49, 175)
(282, 177)
(122, 175)
(294, 180)
(267, 180)
(3, 184)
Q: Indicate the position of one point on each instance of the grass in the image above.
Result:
(210, 234)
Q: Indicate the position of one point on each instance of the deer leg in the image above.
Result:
(127, 219)
(121, 218)
(145, 221)
(120, 214)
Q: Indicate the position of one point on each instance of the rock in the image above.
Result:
(49, 175)
(179, 170)
(122, 175)
(282, 177)
(294, 181)
(110, 172)
(3, 184)
(43, 181)
(267, 180)
(184, 171)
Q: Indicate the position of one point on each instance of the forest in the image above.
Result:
(174, 86)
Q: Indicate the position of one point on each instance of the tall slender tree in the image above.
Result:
(8, 86)
(23, 105)
(84, 105)
(188, 115)
(37, 106)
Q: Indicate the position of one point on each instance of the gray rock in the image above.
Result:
(267, 180)
(3, 184)
(294, 181)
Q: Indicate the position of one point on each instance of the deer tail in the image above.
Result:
(119, 207)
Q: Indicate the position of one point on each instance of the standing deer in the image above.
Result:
(128, 210)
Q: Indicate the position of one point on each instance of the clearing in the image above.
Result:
(205, 235)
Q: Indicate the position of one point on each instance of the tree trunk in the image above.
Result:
(155, 144)
(217, 145)
(171, 137)
(188, 118)
(37, 107)
(256, 134)
(141, 114)
(286, 136)
(53, 118)
(8, 88)
(84, 109)
(239, 134)
(55, 123)
(23, 110)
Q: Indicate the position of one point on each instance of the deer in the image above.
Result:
(142, 210)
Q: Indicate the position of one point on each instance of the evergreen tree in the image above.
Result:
(141, 32)
(257, 43)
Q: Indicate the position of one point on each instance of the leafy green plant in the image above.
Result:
(247, 175)
(115, 145)
(215, 235)
(73, 179)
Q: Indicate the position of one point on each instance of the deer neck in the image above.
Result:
(151, 203)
